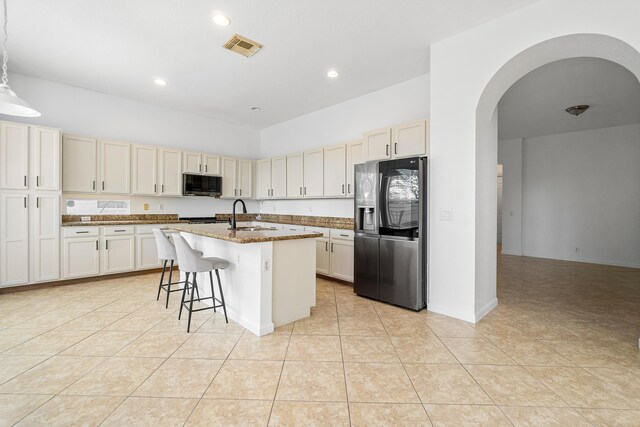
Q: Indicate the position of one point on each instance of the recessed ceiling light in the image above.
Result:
(332, 74)
(160, 82)
(256, 108)
(220, 19)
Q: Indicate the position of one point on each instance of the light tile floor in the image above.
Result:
(560, 349)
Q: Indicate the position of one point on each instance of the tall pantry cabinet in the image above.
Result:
(30, 162)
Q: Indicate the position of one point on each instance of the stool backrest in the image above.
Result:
(166, 250)
(190, 260)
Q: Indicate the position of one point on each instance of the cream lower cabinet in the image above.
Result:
(81, 255)
(44, 237)
(118, 254)
(323, 260)
(342, 259)
(146, 249)
(14, 238)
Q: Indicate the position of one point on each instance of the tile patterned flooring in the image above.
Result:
(560, 349)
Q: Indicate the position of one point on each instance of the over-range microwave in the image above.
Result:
(201, 185)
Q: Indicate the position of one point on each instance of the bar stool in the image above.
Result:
(192, 262)
(166, 253)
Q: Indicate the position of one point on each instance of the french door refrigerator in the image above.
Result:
(390, 242)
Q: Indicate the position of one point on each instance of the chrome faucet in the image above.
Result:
(233, 218)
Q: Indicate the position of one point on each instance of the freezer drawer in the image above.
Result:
(400, 280)
(366, 266)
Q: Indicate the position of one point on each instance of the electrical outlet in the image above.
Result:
(161, 206)
(267, 265)
(146, 206)
(446, 214)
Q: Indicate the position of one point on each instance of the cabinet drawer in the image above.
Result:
(148, 228)
(341, 234)
(80, 231)
(118, 230)
(290, 227)
(324, 231)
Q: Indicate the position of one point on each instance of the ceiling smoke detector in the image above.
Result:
(242, 45)
(576, 110)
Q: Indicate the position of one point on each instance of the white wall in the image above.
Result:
(88, 113)
(510, 157)
(462, 67)
(400, 103)
(582, 190)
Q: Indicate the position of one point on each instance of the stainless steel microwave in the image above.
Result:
(201, 185)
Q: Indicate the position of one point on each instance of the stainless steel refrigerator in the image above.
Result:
(390, 231)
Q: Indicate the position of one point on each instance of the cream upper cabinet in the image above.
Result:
(355, 155)
(410, 139)
(14, 238)
(192, 162)
(44, 144)
(377, 144)
(279, 177)
(144, 166)
(335, 159)
(79, 164)
(14, 156)
(229, 176)
(115, 167)
(263, 179)
(45, 236)
(313, 173)
(211, 164)
(245, 178)
(169, 172)
(295, 175)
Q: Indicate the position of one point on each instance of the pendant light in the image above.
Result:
(10, 104)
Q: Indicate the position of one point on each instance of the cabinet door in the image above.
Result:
(146, 252)
(245, 178)
(279, 177)
(211, 164)
(14, 156)
(229, 175)
(79, 164)
(170, 172)
(355, 156)
(14, 239)
(118, 254)
(263, 171)
(342, 260)
(81, 257)
(377, 144)
(144, 168)
(322, 256)
(295, 175)
(45, 237)
(192, 162)
(335, 159)
(45, 149)
(410, 139)
(115, 167)
(313, 173)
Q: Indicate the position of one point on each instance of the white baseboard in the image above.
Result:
(447, 311)
(485, 310)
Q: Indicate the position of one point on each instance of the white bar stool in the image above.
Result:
(192, 262)
(166, 253)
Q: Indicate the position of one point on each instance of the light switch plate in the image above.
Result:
(446, 214)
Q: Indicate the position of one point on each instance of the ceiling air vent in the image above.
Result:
(242, 45)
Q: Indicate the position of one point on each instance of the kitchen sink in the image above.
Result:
(253, 228)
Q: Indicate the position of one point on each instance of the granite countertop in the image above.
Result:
(304, 220)
(123, 222)
(133, 219)
(222, 232)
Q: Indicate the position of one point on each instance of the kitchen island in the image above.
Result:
(271, 280)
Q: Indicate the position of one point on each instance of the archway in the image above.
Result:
(571, 46)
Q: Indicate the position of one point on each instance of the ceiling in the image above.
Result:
(535, 104)
(119, 46)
